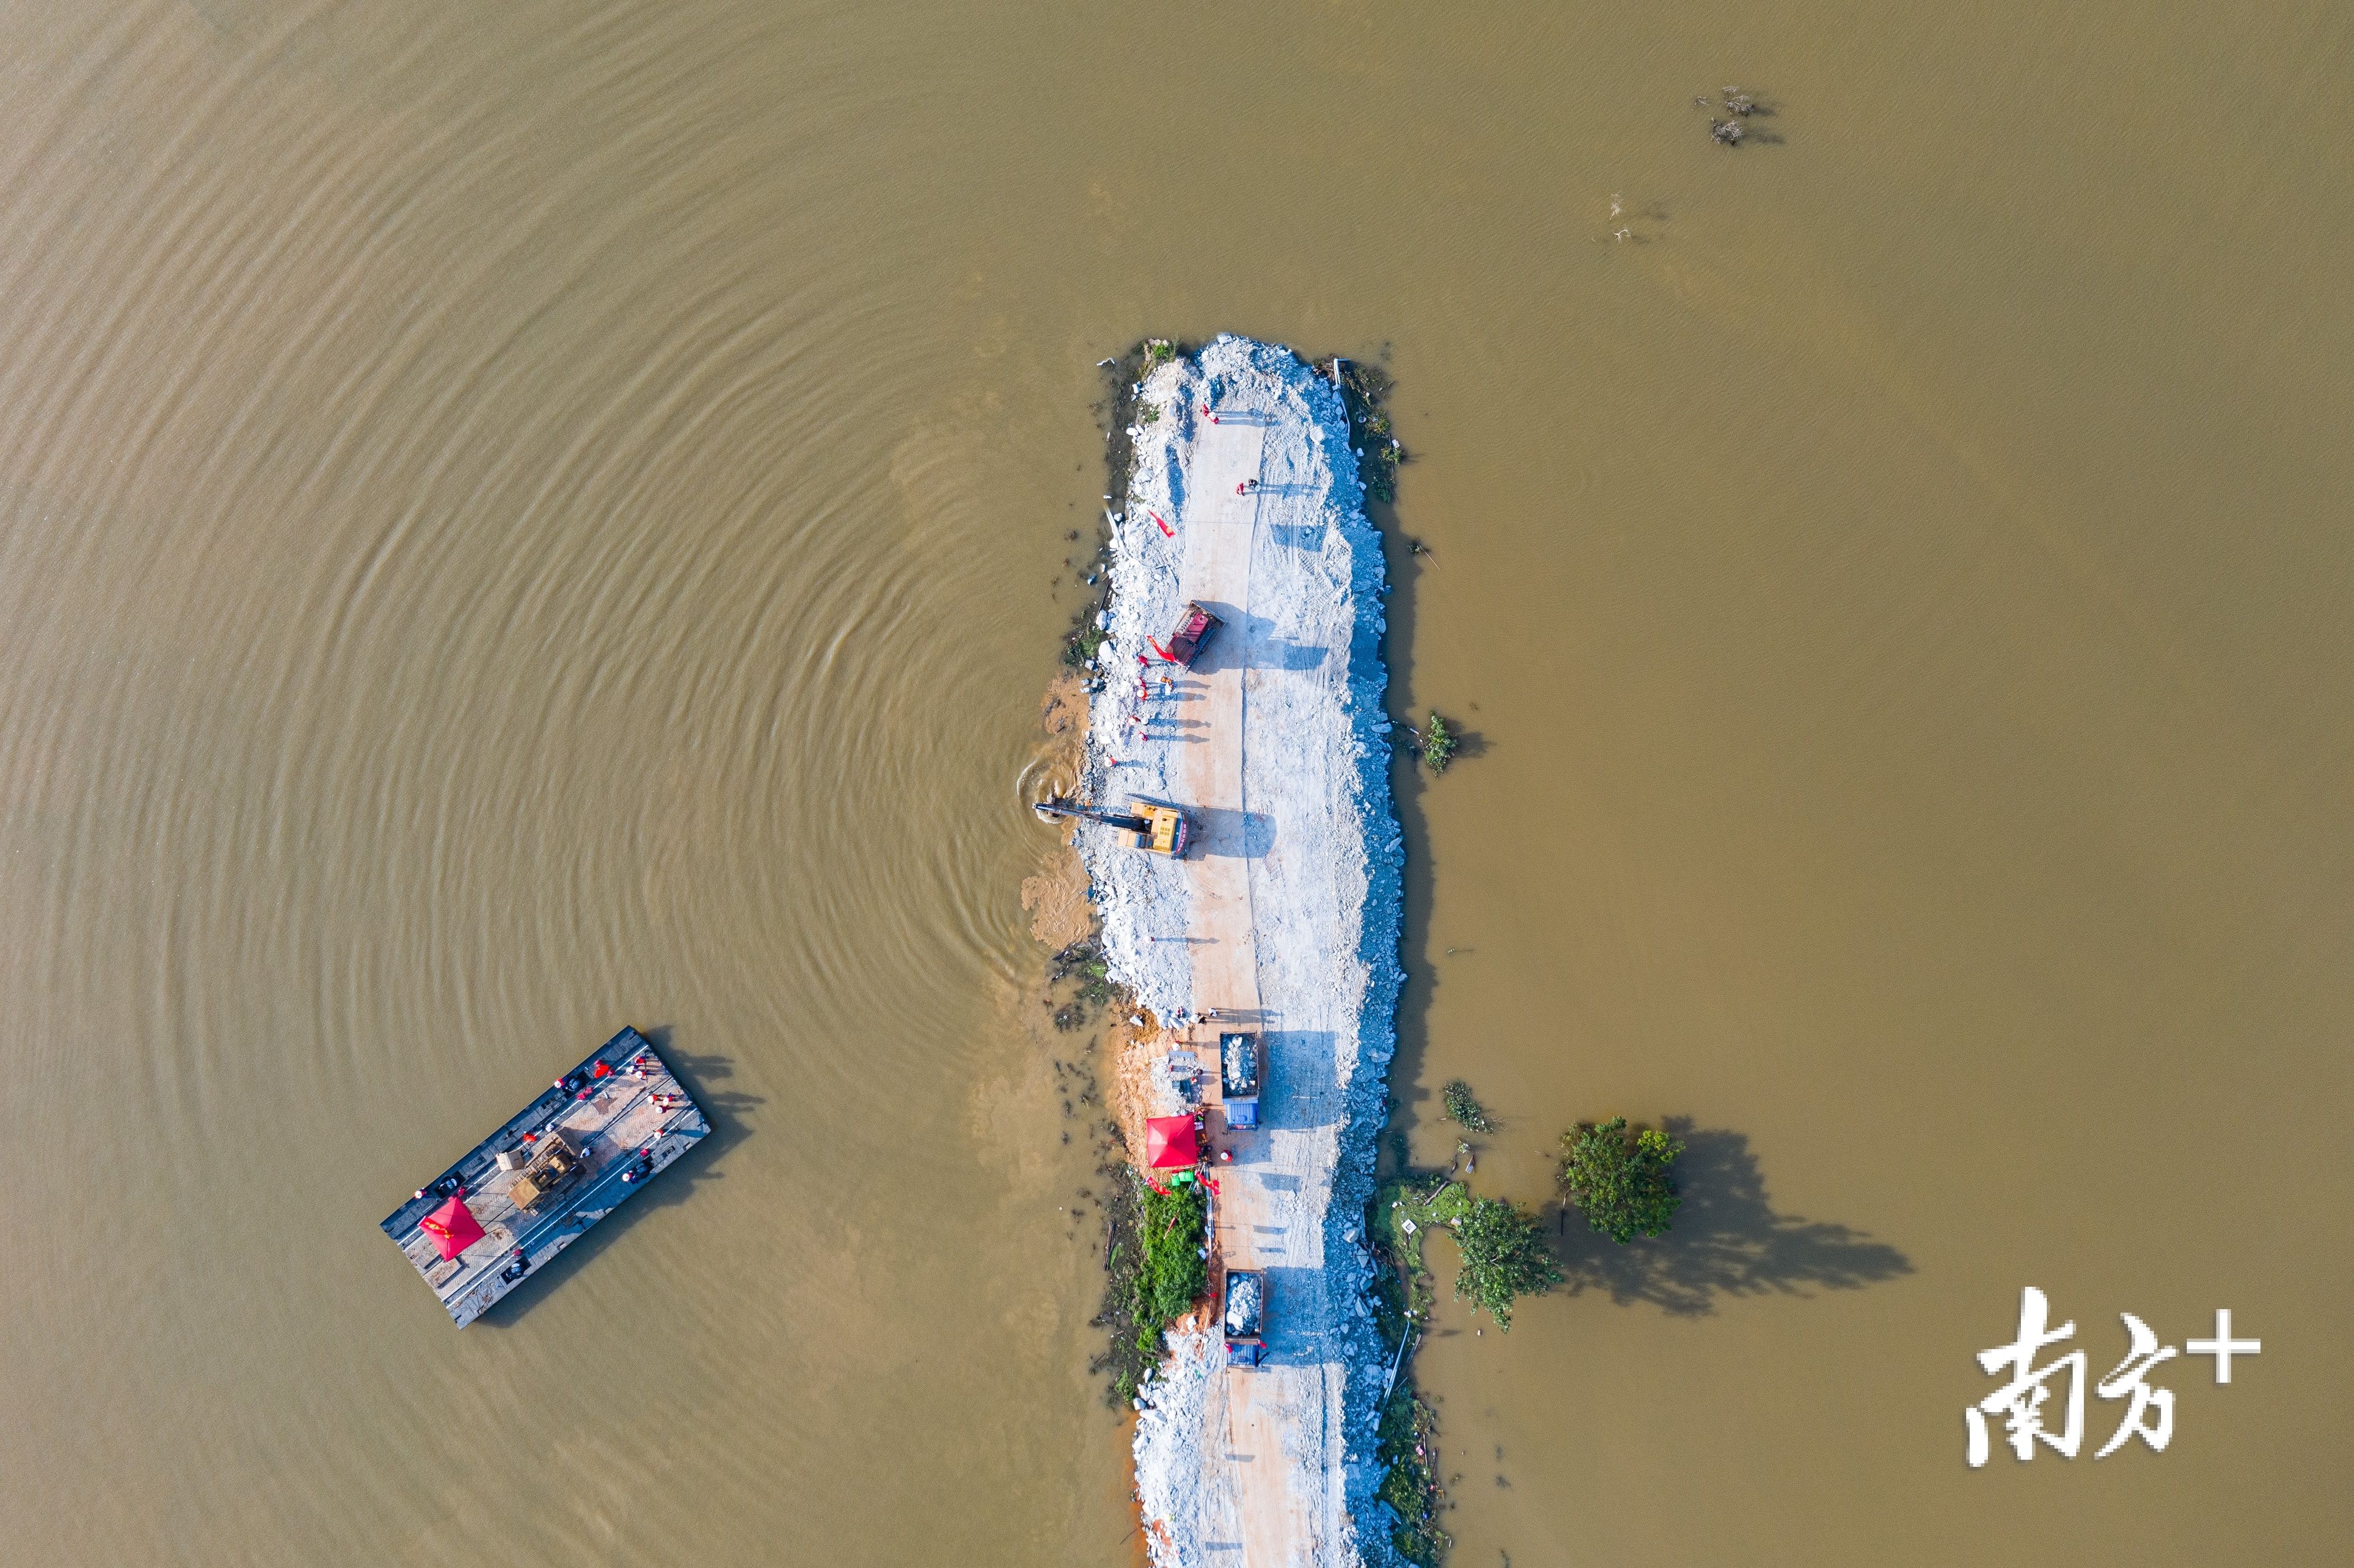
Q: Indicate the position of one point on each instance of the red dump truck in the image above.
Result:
(1194, 629)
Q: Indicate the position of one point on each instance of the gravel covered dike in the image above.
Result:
(1324, 866)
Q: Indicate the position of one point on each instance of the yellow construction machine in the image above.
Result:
(1140, 824)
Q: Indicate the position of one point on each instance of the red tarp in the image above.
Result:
(453, 1228)
(1169, 1143)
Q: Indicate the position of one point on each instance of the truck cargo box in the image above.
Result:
(1246, 1315)
(1238, 1073)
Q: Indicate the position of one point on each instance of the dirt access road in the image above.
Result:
(1251, 1493)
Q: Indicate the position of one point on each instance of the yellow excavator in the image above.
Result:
(1140, 824)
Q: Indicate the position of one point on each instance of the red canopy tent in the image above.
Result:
(1169, 1143)
(453, 1228)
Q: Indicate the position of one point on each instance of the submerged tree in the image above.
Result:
(1462, 1109)
(1625, 1182)
(1504, 1257)
(1437, 743)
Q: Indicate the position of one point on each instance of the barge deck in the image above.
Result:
(531, 1189)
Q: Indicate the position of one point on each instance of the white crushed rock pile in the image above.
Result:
(1170, 1409)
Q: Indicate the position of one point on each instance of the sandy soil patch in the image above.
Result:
(1057, 897)
(1129, 1070)
(1056, 900)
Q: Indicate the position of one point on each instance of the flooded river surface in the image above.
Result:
(516, 520)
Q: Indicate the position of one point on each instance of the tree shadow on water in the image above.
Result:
(1727, 1240)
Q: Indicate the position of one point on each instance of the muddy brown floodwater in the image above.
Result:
(519, 519)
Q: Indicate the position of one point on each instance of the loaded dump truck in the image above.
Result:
(1238, 1068)
(1245, 1317)
(1140, 824)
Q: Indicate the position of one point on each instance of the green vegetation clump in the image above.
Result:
(1463, 1109)
(1158, 352)
(1174, 1227)
(1625, 1182)
(1407, 1211)
(1402, 1213)
(1504, 1258)
(1153, 1271)
(1408, 1448)
(1084, 963)
(1438, 743)
(1504, 1255)
(1364, 389)
(1079, 647)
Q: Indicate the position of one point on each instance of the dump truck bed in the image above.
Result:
(1238, 1063)
(1238, 1075)
(1246, 1313)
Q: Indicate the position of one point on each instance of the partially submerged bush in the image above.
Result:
(1503, 1254)
(1504, 1258)
(1401, 1215)
(1625, 1182)
(1364, 389)
(1079, 647)
(1405, 1212)
(1083, 967)
(1438, 743)
(1408, 1438)
(1124, 1361)
(1463, 1109)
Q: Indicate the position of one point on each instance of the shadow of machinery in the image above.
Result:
(1246, 640)
(1727, 1240)
(725, 1109)
(1224, 833)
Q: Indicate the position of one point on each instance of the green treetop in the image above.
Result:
(1503, 1256)
(1625, 1182)
(1462, 1107)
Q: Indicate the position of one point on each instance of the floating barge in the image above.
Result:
(566, 1160)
